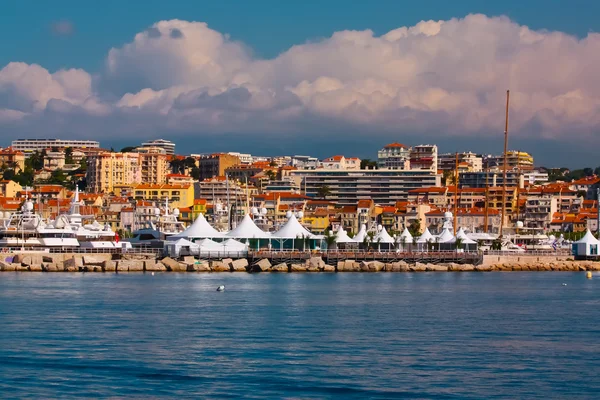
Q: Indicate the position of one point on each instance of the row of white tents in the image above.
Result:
(198, 238)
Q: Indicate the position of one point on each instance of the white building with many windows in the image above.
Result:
(28, 146)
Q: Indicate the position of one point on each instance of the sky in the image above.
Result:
(305, 77)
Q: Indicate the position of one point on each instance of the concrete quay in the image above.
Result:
(76, 262)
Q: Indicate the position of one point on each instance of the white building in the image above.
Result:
(305, 162)
(162, 143)
(395, 156)
(341, 162)
(447, 161)
(28, 146)
(245, 158)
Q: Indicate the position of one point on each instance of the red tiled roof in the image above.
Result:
(395, 144)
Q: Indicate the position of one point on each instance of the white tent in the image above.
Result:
(407, 236)
(181, 247)
(342, 237)
(292, 229)
(383, 237)
(234, 245)
(425, 237)
(362, 233)
(463, 236)
(445, 237)
(586, 246)
(198, 230)
(247, 229)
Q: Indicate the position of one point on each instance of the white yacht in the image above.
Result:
(93, 235)
(26, 229)
(154, 232)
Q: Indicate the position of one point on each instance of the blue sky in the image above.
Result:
(276, 77)
(267, 26)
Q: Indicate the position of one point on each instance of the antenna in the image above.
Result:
(455, 193)
(504, 171)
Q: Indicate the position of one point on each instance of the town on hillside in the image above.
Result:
(400, 187)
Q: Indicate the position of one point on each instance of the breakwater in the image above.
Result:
(75, 262)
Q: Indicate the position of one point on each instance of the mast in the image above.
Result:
(485, 216)
(228, 204)
(505, 165)
(247, 197)
(455, 193)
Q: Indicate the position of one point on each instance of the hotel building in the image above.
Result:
(28, 146)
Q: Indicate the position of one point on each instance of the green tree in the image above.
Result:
(323, 192)
(415, 227)
(69, 155)
(35, 161)
(271, 174)
(128, 149)
(195, 173)
(368, 164)
(330, 240)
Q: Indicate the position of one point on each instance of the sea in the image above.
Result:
(514, 335)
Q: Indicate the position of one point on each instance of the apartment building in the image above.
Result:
(215, 165)
(514, 160)
(179, 196)
(12, 158)
(28, 146)
(538, 213)
(384, 186)
(154, 165)
(471, 162)
(470, 219)
(166, 145)
(490, 178)
(341, 162)
(394, 156)
(424, 156)
(106, 170)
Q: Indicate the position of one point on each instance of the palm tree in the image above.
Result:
(457, 243)
(323, 192)
(330, 240)
(403, 242)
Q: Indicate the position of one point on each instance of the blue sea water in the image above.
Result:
(347, 335)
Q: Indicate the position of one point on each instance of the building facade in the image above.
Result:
(394, 156)
(215, 165)
(107, 170)
(384, 186)
(168, 146)
(28, 146)
(424, 156)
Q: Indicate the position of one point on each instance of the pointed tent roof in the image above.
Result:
(445, 236)
(362, 233)
(292, 230)
(199, 229)
(247, 229)
(184, 242)
(383, 237)
(463, 236)
(342, 237)
(406, 234)
(231, 244)
(588, 238)
(207, 244)
(425, 237)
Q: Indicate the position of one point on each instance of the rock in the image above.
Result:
(328, 268)
(21, 268)
(280, 268)
(7, 267)
(47, 259)
(437, 268)
(25, 260)
(96, 259)
(171, 264)
(310, 268)
(466, 268)
(364, 266)
(298, 268)
(240, 265)
(18, 258)
(262, 266)
(50, 267)
(483, 268)
(72, 264)
(35, 268)
(189, 260)
(226, 261)
(316, 262)
(340, 266)
(109, 266)
(136, 266)
(200, 267)
(375, 266)
(418, 267)
(220, 266)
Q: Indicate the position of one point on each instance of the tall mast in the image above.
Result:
(485, 216)
(505, 165)
(455, 192)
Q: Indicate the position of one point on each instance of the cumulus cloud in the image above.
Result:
(438, 77)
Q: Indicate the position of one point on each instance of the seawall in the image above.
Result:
(77, 262)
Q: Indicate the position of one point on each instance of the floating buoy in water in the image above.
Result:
(153, 274)
(221, 288)
(588, 275)
(564, 284)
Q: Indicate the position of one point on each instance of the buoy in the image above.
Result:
(153, 274)
(588, 275)
(221, 288)
(564, 284)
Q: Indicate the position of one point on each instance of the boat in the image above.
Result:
(27, 230)
(92, 235)
(155, 232)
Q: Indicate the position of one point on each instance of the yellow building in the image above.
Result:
(154, 164)
(318, 220)
(199, 207)
(9, 188)
(179, 196)
(106, 170)
(14, 159)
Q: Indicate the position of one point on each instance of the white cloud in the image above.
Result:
(441, 77)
